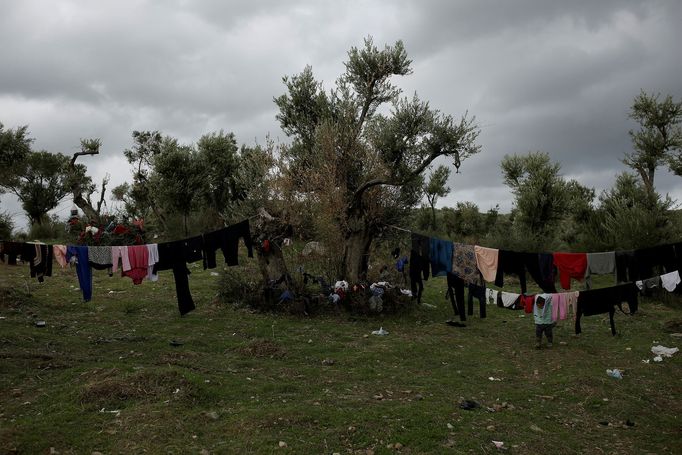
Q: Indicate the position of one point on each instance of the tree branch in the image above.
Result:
(357, 195)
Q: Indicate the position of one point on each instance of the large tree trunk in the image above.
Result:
(271, 261)
(356, 250)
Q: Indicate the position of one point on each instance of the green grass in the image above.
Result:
(241, 382)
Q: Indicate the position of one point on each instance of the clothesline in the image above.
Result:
(597, 252)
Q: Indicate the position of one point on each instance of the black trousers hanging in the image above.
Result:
(456, 294)
(477, 292)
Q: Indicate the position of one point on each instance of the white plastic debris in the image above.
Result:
(380, 332)
(615, 373)
(490, 378)
(663, 351)
(658, 358)
(498, 444)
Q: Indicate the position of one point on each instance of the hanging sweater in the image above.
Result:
(570, 265)
(486, 261)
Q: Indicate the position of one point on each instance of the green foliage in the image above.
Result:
(630, 217)
(49, 228)
(40, 183)
(659, 138)
(363, 168)
(15, 145)
(436, 188)
(6, 226)
(543, 200)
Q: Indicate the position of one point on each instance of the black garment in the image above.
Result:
(510, 262)
(12, 250)
(175, 255)
(678, 256)
(478, 292)
(531, 261)
(456, 295)
(655, 260)
(420, 259)
(39, 258)
(419, 264)
(626, 266)
(605, 300)
(227, 239)
(547, 270)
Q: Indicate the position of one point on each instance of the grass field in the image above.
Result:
(104, 377)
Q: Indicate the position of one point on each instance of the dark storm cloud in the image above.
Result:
(556, 76)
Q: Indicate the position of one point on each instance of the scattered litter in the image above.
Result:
(450, 427)
(663, 351)
(676, 334)
(282, 444)
(406, 292)
(175, 343)
(536, 428)
(328, 362)
(615, 373)
(645, 361)
(428, 305)
(115, 411)
(498, 444)
(469, 404)
(658, 358)
(40, 323)
(381, 332)
(176, 391)
(215, 274)
(490, 378)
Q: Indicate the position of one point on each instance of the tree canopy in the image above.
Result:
(365, 162)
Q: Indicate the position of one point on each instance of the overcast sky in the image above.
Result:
(553, 76)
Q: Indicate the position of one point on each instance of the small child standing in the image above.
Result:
(542, 313)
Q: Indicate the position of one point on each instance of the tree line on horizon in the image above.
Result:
(350, 171)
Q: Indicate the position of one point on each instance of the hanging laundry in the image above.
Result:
(655, 260)
(175, 255)
(565, 303)
(119, 254)
(476, 292)
(100, 258)
(83, 270)
(486, 262)
(678, 255)
(39, 258)
(419, 264)
(527, 302)
(599, 264)
(511, 262)
(544, 276)
(440, 253)
(138, 256)
(510, 300)
(227, 239)
(570, 265)
(153, 258)
(649, 283)
(605, 300)
(456, 295)
(59, 253)
(464, 263)
(491, 296)
(670, 281)
(626, 269)
(12, 250)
